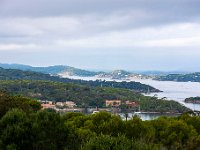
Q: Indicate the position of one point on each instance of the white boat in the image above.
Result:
(94, 112)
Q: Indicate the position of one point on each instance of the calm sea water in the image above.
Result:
(177, 91)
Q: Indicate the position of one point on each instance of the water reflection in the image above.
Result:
(147, 116)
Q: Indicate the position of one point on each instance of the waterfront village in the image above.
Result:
(113, 106)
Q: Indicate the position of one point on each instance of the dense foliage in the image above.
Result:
(12, 74)
(193, 77)
(45, 130)
(86, 95)
(8, 102)
(136, 86)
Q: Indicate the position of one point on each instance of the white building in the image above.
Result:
(70, 104)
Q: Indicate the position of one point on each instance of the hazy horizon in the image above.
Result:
(102, 34)
(105, 70)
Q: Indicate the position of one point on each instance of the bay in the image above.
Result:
(177, 91)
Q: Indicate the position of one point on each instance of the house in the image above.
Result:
(70, 104)
(131, 104)
(59, 104)
(45, 102)
(45, 106)
(115, 103)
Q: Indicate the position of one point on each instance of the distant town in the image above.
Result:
(113, 106)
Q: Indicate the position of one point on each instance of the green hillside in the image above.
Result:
(14, 74)
(86, 95)
(55, 70)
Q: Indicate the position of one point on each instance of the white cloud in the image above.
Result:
(176, 35)
(11, 47)
(176, 42)
(34, 27)
(74, 32)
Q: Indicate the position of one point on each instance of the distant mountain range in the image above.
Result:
(67, 71)
(54, 70)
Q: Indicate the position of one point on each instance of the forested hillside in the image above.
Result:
(13, 74)
(8, 102)
(55, 70)
(86, 95)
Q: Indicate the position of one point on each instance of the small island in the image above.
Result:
(194, 100)
(191, 77)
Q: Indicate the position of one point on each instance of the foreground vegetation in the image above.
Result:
(86, 95)
(48, 130)
(34, 129)
(8, 102)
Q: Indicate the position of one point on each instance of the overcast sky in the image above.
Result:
(102, 34)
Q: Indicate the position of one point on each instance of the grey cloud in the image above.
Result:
(175, 9)
(93, 16)
(111, 27)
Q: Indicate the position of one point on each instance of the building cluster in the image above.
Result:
(67, 104)
(113, 103)
(49, 104)
(70, 106)
(117, 103)
(131, 104)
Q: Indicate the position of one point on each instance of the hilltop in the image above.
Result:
(55, 70)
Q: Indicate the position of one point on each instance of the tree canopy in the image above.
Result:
(45, 130)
